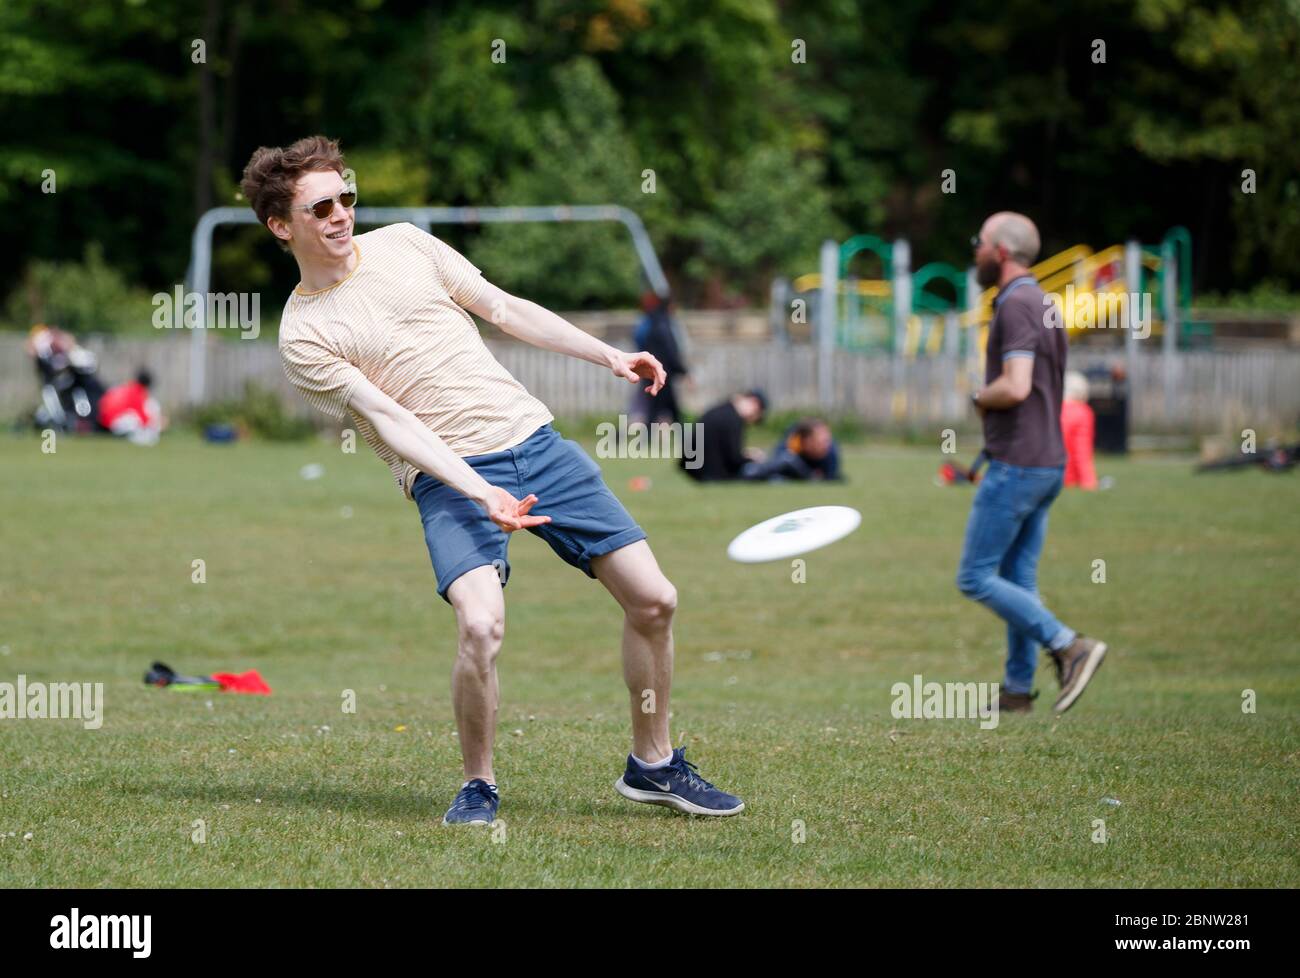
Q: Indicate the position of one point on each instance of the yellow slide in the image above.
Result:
(1100, 273)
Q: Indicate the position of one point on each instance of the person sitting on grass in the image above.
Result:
(130, 411)
(806, 452)
(722, 454)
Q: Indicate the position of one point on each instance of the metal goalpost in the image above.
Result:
(199, 276)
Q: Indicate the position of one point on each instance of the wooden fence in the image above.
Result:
(1193, 392)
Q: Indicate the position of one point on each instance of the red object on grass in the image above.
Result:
(244, 682)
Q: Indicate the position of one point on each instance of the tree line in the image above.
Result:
(743, 131)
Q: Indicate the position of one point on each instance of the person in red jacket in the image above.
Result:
(129, 410)
(1077, 427)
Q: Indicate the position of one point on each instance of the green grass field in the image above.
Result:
(782, 689)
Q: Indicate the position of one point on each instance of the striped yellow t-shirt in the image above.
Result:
(398, 321)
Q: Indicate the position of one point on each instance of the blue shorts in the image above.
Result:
(587, 520)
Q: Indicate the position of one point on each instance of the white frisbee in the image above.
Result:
(793, 533)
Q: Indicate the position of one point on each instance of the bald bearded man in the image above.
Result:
(1020, 404)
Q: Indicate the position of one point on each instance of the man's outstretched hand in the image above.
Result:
(644, 366)
(510, 513)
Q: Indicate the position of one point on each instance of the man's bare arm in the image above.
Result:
(1010, 387)
(403, 432)
(531, 323)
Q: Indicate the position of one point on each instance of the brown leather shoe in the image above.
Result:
(1075, 667)
(1016, 702)
(1056, 664)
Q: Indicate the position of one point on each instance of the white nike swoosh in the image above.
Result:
(665, 787)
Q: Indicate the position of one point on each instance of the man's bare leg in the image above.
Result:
(632, 576)
(480, 607)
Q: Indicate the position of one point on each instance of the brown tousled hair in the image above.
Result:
(272, 173)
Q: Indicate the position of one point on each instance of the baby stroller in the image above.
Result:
(70, 386)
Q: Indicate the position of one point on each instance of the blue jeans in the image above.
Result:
(999, 562)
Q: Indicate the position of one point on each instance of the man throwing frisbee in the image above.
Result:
(377, 328)
(1020, 404)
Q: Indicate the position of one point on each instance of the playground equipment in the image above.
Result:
(199, 275)
(1106, 285)
(939, 309)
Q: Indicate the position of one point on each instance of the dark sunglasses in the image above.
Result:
(323, 208)
(975, 241)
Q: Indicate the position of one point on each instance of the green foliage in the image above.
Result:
(772, 215)
(1243, 70)
(390, 178)
(245, 255)
(435, 95)
(582, 156)
(1269, 296)
(82, 297)
(258, 412)
(757, 153)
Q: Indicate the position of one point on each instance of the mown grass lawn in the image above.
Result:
(782, 688)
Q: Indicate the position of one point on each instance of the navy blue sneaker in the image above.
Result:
(678, 785)
(475, 804)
